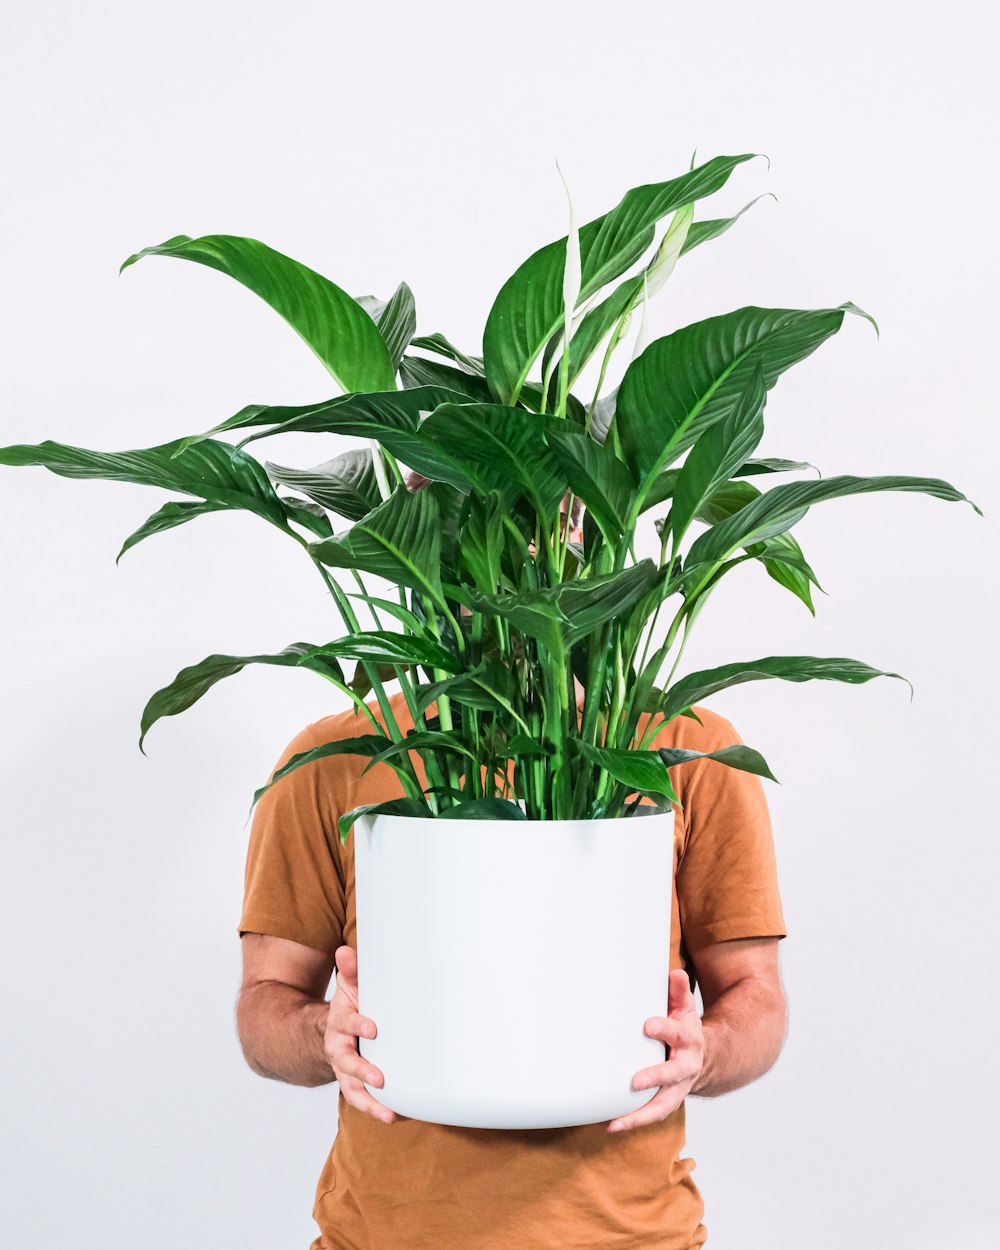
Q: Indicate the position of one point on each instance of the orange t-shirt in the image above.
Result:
(415, 1185)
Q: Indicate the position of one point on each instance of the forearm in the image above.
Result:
(744, 1030)
(281, 1032)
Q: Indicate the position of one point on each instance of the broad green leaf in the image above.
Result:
(503, 444)
(482, 540)
(784, 562)
(529, 307)
(394, 609)
(596, 476)
(192, 682)
(400, 541)
(396, 319)
(390, 807)
(745, 758)
(415, 371)
(346, 484)
(331, 323)
(684, 382)
(559, 616)
(697, 687)
(438, 344)
(390, 417)
(213, 471)
(719, 450)
(383, 647)
(173, 513)
(642, 771)
(484, 809)
(778, 509)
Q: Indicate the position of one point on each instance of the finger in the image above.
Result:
(671, 1072)
(680, 998)
(658, 1108)
(347, 1020)
(356, 1094)
(346, 958)
(349, 1062)
(667, 1029)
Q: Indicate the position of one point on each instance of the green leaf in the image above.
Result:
(438, 344)
(415, 371)
(484, 809)
(596, 476)
(399, 541)
(333, 325)
(559, 616)
(173, 513)
(780, 508)
(642, 771)
(383, 647)
(745, 758)
(697, 687)
(784, 562)
(390, 807)
(346, 484)
(703, 231)
(491, 446)
(422, 740)
(529, 307)
(215, 472)
(364, 745)
(772, 464)
(396, 320)
(192, 682)
(684, 382)
(308, 514)
(720, 450)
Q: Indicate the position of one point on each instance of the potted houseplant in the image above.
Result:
(537, 662)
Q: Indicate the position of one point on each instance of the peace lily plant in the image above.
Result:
(498, 610)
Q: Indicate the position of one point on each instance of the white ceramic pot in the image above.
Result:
(510, 966)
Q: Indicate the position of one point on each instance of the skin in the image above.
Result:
(289, 1032)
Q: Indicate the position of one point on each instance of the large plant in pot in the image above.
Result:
(538, 661)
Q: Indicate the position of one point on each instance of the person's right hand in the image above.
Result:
(344, 1026)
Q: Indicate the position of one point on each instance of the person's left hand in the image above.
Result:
(681, 1030)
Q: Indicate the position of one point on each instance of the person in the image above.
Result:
(394, 1183)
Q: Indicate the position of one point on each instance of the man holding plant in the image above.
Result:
(390, 1181)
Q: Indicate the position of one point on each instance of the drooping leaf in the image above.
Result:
(389, 807)
(213, 471)
(400, 541)
(173, 513)
(687, 380)
(644, 772)
(308, 514)
(703, 231)
(781, 507)
(383, 647)
(697, 687)
(529, 307)
(744, 758)
(334, 326)
(423, 740)
(346, 484)
(192, 682)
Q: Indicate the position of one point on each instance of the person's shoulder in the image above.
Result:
(350, 723)
(711, 731)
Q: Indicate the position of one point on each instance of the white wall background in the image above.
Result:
(396, 141)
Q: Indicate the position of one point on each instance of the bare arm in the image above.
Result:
(746, 1016)
(281, 1012)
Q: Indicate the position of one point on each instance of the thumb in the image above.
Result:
(680, 996)
(346, 958)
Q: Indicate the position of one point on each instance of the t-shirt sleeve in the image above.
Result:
(294, 885)
(727, 882)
